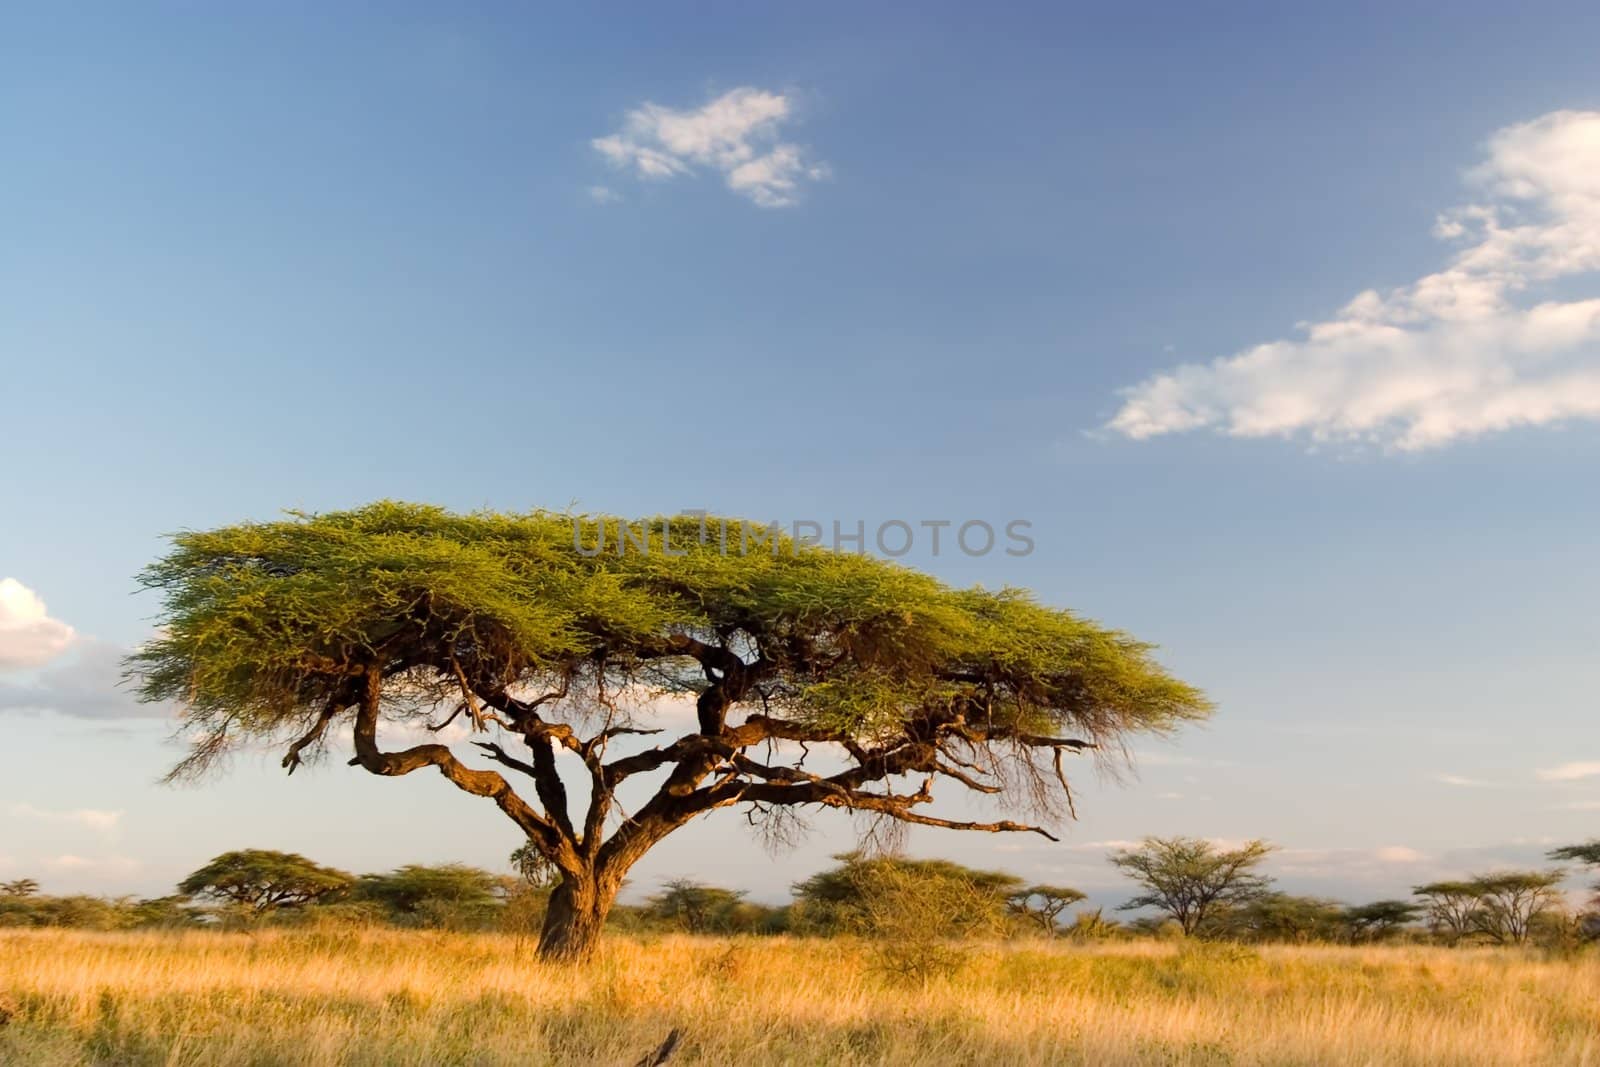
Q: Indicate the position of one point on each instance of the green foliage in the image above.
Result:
(1380, 920)
(450, 896)
(1503, 907)
(1189, 879)
(262, 625)
(78, 912)
(1587, 854)
(261, 880)
(1042, 905)
(884, 896)
(1091, 926)
(920, 915)
(531, 865)
(22, 887)
(1512, 902)
(1277, 917)
(95, 913)
(694, 907)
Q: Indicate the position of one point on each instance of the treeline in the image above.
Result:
(1188, 888)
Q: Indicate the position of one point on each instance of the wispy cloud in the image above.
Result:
(604, 194)
(1570, 772)
(736, 135)
(29, 637)
(1484, 345)
(103, 821)
(1465, 783)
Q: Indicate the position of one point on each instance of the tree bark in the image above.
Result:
(575, 916)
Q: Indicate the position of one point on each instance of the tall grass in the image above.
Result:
(387, 997)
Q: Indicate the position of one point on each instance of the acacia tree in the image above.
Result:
(1587, 854)
(694, 907)
(1191, 879)
(1043, 904)
(263, 880)
(1454, 908)
(563, 637)
(1380, 919)
(1510, 902)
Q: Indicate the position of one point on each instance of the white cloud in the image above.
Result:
(103, 821)
(736, 135)
(1398, 854)
(1482, 346)
(86, 685)
(1466, 783)
(29, 637)
(1570, 772)
(604, 194)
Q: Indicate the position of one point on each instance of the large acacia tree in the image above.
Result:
(551, 640)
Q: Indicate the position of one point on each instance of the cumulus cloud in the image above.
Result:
(736, 135)
(85, 685)
(29, 637)
(103, 821)
(1502, 337)
(1570, 772)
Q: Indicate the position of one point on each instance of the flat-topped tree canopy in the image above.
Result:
(559, 633)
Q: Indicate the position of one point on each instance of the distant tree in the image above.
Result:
(22, 887)
(1380, 920)
(1189, 879)
(539, 631)
(695, 907)
(451, 895)
(262, 880)
(863, 892)
(165, 912)
(1511, 903)
(920, 915)
(533, 867)
(76, 912)
(1587, 854)
(1093, 926)
(1277, 917)
(1043, 905)
(1453, 908)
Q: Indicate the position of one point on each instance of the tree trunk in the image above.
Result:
(576, 914)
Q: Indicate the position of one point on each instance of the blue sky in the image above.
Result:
(896, 263)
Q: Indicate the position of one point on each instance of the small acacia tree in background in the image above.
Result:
(549, 634)
(1277, 917)
(1043, 905)
(915, 912)
(694, 907)
(1190, 879)
(1453, 908)
(1510, 903)
(1380, 920)
(451, 896)
(21, 887)
(258, 881)
(1587, 854)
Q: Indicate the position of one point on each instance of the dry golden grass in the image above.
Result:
(383, 997)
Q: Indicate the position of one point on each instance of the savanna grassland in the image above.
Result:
(409, 997)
